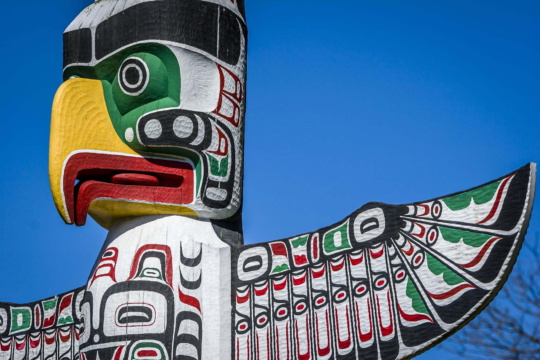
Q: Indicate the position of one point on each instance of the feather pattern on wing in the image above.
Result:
(387, 282)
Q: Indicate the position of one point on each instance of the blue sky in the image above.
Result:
(348, 102)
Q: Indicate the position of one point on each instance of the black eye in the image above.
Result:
(133, 76)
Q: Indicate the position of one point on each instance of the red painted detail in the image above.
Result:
(118, 352)
(95, 171)
(323, 351)
(300, 307)
(5, 346)
(356, 260)
(77, 334)
(135, 179)
(189, 300)
(261, 291)
(300, 279)
(422, 232)
(425, 208)
(451, 293)
(381, 283)
(35, 342)
(300, 260)
(360, 289)
(341, 295)
(20, 345)
(377, 254)
(388, 330)
(482, 253)
(286, 339)
(64, 337)
(278, 249)
(410, 251)
(161, 248)
(235, 97)
(364, 337)
(48, 322)
(83, 356)
(400, 275)
(318, 273)
(147, 353)
(223, 144)
(65, 302)
(338, 266)
(37, 316)
(240, 299)
(418, 258)
(50, 339)
(107, 262)
(280, 285)
(343, 344)
(321, 300)
(307, 354)
(497, 200)
(413, 317)
(315, 247)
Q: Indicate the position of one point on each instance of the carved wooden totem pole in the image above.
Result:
(147, 138)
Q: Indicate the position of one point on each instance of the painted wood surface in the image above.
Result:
(147, 138)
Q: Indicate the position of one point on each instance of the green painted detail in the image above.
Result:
(65, 320)
(280, 268)
(156, 89)
(417, 301)
(162, 92)
(337, 239)
(438, 268)
(49, 304)
(480, 196)
(299, 241)
(152, 273)
(21, 319)
(218, 168)
(147, 345)
(469, 238)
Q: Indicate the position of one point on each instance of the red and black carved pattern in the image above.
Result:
(46, 329)
(386, 282)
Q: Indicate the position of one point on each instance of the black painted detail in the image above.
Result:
(203, 25)
(77, 46)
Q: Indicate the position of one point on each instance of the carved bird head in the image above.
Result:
(149, 119)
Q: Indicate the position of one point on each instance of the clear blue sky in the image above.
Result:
(348, 102)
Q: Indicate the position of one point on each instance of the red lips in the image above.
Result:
(90, 176)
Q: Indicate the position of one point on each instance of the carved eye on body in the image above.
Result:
(319, 301)
(360, 289)
(261, 320)
(242, 327)
(300, 307)
(133, 76)
(281, 312)
(380, 282)
(340, 296)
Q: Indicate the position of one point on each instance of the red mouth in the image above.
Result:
(91, 176)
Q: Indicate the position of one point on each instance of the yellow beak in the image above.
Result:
(80, 122)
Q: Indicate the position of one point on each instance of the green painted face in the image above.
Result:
(136, 81)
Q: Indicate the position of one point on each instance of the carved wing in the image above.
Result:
(42, 330)
(387, 282)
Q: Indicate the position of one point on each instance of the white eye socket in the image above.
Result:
(369, 224)
(133, 76)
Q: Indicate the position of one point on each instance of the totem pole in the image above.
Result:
(147, 138)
